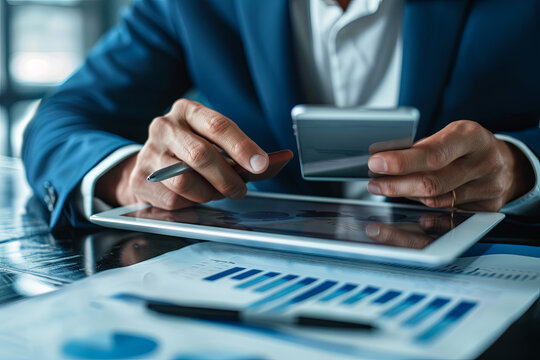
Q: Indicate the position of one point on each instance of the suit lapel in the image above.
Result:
(267, 36)
(431, 34)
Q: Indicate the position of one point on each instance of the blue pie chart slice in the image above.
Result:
(109, 345)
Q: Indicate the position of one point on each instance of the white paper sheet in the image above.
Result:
(451, 312)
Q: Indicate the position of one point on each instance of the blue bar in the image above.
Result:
(368, 290)
(284, 292)
(472, 271)
(453, 316)
(246, 274)
(404, 305)
(338, 292)
(223, 274)
(426, 312)
(257, 280)
(308, 294)
(276, 283)
(387, 296)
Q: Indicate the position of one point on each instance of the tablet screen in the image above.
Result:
(384, 225)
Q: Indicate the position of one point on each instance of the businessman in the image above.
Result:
(469, 66)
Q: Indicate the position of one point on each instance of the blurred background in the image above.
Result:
(41, 43)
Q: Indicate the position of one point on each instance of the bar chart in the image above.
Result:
(487, 272)
(281, 291)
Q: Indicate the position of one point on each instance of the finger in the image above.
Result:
(202, 157)
(433, 153)
(223, 132)
(425, 184)
(389, 235)
(480, 190)
(157, 194)
(442, 201)
(190, 185)
(493, 205)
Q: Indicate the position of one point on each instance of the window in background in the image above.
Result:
(41, 43)
(47, 43)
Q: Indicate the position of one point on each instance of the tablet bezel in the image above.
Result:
(444, 250)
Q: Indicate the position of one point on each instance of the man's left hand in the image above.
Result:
(485, 172)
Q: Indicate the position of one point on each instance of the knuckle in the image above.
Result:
(198, 155)
(467, 127)
(476, 131)
(430, 185)
(497, 187)
(182, 103)
(387, 188)
(496, 161)
(195, 111)
(159, 126)
(437, 157)
(217, 124)
(239, 147)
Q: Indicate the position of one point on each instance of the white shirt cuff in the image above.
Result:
(530, 200)
(86, 203)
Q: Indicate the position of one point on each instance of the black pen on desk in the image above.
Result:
(236, 316)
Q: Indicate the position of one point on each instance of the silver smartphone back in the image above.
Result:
(335, 143)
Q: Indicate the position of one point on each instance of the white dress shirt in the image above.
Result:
(350, 58)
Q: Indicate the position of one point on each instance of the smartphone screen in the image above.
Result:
(335, 144)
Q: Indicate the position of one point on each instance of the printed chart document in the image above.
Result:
(455, 311)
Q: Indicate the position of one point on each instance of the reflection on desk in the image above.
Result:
(33, 261)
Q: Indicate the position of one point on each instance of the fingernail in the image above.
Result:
(237, 195)
(374, 189)
(377, 165)
(258, 162)
(372, 230)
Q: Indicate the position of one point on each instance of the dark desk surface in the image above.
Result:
(34, 261)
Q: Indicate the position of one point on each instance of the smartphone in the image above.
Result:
(277, 160)
(334, 144)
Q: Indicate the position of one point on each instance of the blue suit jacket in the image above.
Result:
(476, 60)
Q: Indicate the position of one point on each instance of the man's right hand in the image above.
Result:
(188, 133)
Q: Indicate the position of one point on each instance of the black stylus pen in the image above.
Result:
(236, 316)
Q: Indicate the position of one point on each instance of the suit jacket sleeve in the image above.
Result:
(133, 74)
(528, 204)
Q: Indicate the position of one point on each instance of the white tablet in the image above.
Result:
(352, 229)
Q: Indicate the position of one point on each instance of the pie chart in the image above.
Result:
(109, 345)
